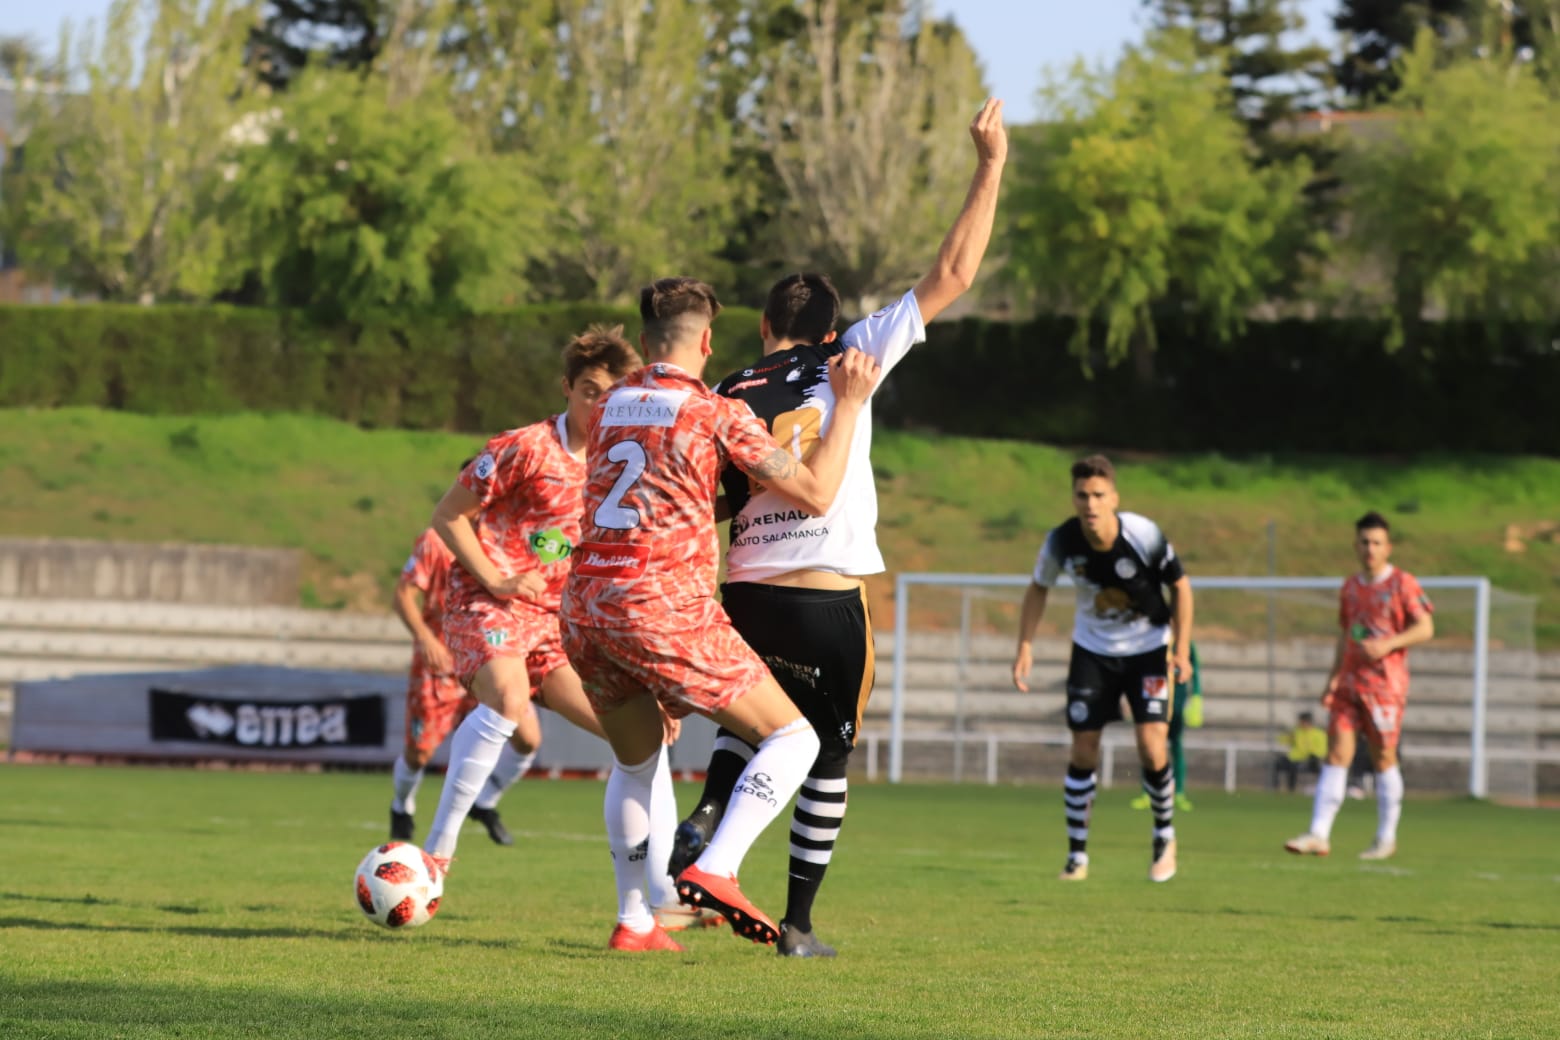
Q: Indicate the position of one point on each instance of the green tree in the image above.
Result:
(612, 104)
(863, 121)
(1270, 76)
(1139, 193)
(121, 185)
(1457, 201)
(355, 203)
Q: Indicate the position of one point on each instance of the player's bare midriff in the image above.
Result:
(813, 579)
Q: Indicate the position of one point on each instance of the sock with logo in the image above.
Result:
(815, 827)
(626, 810)
(764, 789)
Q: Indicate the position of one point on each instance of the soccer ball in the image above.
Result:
(398, 885)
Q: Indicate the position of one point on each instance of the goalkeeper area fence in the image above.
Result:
(1483, 715)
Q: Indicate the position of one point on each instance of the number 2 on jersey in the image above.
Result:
(612, 513)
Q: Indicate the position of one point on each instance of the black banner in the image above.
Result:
(356, 720)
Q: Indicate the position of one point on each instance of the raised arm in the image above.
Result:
(812, 486)
(965, 244)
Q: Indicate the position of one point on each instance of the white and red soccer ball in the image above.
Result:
(398, 885)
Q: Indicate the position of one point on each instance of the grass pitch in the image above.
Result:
(175, 903)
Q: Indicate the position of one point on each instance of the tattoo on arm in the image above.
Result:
(779, 463)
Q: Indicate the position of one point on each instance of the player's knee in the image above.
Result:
(833, 757)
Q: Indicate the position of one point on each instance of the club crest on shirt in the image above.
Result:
(1125, 568)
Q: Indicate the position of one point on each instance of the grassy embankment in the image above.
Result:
(352, 500)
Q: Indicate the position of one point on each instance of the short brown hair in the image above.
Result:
(600, 346)
(802, 307)
(1093, 466)
(1373, 520)
(673, 308)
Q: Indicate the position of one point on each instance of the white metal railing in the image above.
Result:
(1478, 755)
(1112, 744)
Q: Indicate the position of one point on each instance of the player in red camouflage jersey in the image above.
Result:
(511, 521)
(640, 620)
(1382, 611)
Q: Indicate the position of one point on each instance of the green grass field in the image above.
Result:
(175, 903)
(352, 500)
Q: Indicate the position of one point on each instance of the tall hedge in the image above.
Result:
(1283, 386)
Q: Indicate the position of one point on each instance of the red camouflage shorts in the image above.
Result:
(484, 632)
(695, 668)
(435, 705)
(1375, 711)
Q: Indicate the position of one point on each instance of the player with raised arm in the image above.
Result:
(794, 586)
(512, 521)
(435, 699)
(1382, 611)
(640, 620)
(1120, 563)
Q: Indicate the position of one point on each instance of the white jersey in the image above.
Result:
(790, 391)
(1121, 609)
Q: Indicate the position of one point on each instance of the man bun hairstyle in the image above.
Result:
(803, 308)
(1093, 466)
(675, 308)
(600, 346)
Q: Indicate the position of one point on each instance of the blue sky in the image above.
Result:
(1015, 39)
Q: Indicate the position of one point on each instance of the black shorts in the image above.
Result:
(817, 644)
(1096, 683)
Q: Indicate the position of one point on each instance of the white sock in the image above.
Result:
(626, 810)
(407, 780)
(661, 886)
(1329, 797)
(474, 749)
(1389, 804)
(765, 788)
(512, 765)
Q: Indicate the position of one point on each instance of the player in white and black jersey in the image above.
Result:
(794, 585)
(1121, 564)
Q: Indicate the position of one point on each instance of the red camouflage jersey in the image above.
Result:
(1368, 610)
(529, 485)
(428, 570)
(648, 549)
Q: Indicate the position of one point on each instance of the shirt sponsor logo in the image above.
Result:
(550, 546)
(633, 407)
(485, 465)
(746, 384)
(607, 560)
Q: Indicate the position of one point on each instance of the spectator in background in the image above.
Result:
(1305, 746)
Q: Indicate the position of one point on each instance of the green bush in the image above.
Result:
(1325, 386)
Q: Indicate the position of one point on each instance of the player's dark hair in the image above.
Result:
(673, 308)
(1372, 521)
(803, 308)
(1093, 466)
(469, 460)
(600, 346)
